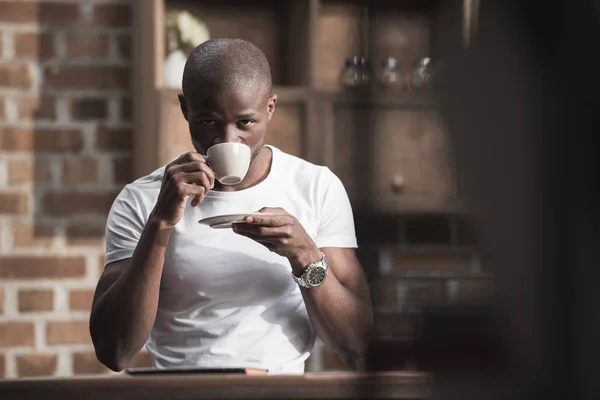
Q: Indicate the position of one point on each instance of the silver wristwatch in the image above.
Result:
(314, 275)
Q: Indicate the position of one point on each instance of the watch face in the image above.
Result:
(316, 276)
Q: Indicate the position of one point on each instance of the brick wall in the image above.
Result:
(65, 150)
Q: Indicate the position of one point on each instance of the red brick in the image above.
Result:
(124, 46)
(13, 203)
(28, 171)
(81, 299)
(68, 332)
(126, 110)
(33, 235)
(89, 108)
(14, 334)
(41, 139)
(16, 139)
(48, 267)
(86, 77)
(33, 108)
(15, 76)
(34, 46)
(123, 170)
(92, 45)
(114, 139)
(85, 234)
(435, 260)
(332, 362)
(87, 364)
(113, 15)
(58, 140)
(36, 300)
(80, 170)
(43, 13)
(101, 262)
(77, 202)
(36, 365)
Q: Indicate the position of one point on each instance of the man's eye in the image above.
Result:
(246, 122)
(207, 122)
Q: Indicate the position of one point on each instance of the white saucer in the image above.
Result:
(223, 221)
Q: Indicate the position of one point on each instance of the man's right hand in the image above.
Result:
(188, 175)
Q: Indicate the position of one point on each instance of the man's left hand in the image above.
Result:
(281, 233)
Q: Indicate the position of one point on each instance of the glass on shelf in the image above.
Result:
(366, 73)
(421, 77)
(356, 73)
(350, 76)
(391, 76)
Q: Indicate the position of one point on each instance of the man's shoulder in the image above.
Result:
(145, 188)
(299, 168)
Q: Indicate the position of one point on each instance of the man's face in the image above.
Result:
(228, 114)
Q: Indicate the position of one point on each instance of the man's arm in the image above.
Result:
(126, 300)
(340, 309)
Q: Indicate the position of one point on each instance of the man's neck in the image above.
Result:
(258, 171)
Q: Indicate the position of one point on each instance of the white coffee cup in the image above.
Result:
(230, 161)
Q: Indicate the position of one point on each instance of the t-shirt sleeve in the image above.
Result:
(124, 226)
(336, 222)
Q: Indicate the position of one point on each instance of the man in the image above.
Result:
(199, 297)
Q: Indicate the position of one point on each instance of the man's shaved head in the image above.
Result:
(226, 62)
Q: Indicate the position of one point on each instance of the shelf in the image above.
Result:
(368, 138)
(382, 98)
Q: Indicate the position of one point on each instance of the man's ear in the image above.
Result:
(271, 107)
(183, 105)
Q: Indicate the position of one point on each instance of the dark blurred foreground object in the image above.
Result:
(522, 105)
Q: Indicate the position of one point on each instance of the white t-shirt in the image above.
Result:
(225, 300)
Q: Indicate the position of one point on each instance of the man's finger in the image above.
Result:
(261, 230)
(199, 178)
(272, 210)
(189, 157)
(209, 173)
(268, 219)
(262, 239)
(199, 192)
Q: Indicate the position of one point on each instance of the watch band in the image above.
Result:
(301, 280)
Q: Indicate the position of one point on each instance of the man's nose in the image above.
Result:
(229, 135)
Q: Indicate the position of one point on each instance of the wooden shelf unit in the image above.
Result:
(389, 148)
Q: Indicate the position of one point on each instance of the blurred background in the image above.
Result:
(88, 103)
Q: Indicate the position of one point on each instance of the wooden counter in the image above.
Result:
(393, 385)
